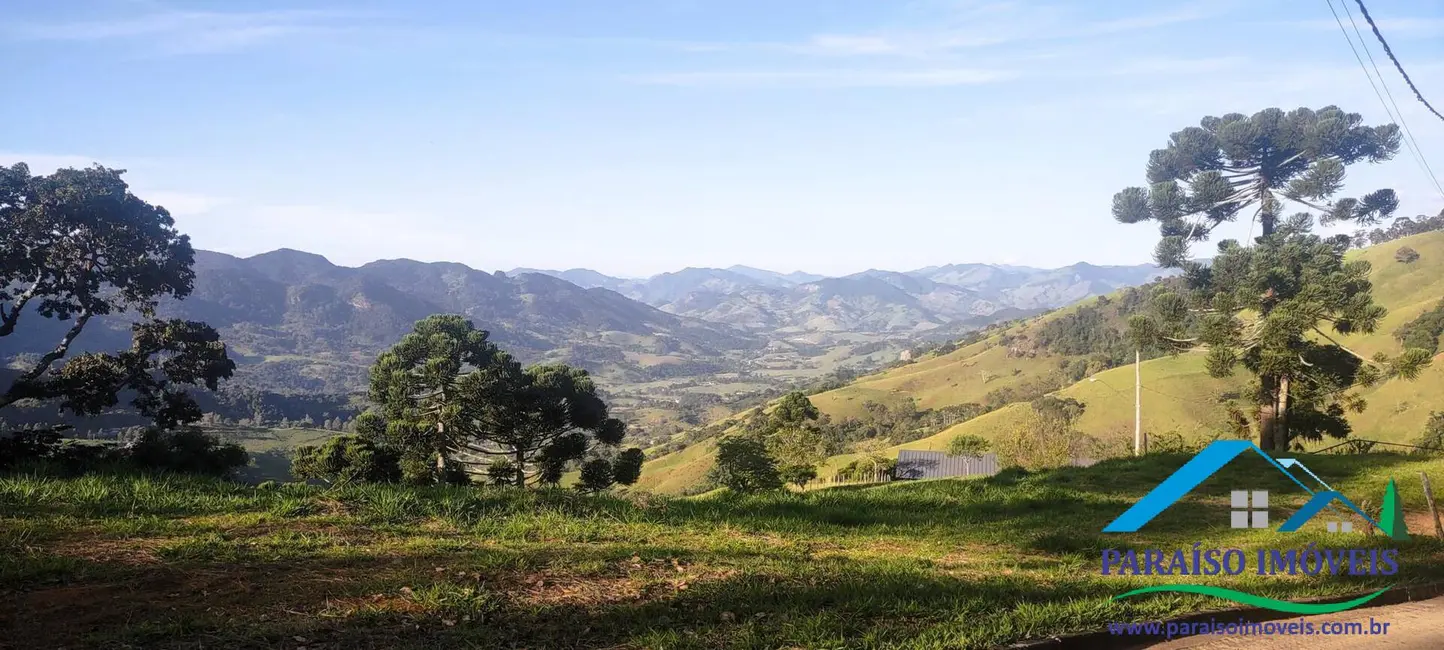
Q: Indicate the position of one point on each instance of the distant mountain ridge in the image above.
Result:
(875, 300)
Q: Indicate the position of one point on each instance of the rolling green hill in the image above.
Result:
(1179, 396)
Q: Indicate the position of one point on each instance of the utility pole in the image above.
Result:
(1139, 446)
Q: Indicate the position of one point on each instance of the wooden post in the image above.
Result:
(1429, 496)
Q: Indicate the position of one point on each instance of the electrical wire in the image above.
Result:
(1184, 399)
(1408, 133)
(1387, 50)
(1408, 143)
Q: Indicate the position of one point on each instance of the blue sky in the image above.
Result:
(640, 136)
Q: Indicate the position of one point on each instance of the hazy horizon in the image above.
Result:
(729, 267)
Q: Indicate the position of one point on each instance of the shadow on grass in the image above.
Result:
(333, 602)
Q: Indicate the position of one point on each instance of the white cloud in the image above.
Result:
(178, 32)
(976, 25)
(857, 78)
(1167, 66)
(343, 235)
(181, 204)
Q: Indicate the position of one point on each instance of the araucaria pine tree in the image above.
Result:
(1274, 305)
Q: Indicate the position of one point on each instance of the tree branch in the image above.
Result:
(12, 395)
(8, 320)
(1341, 346)
(1311, 204)
(59, 351)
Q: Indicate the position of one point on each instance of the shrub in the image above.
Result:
(501, 472)
(420, 469)
(1406, 255)
(347, 459)
(27, 445)
(188, 451)
(799, 475)
(1038, 441)
(1168, 442)
(596, 475)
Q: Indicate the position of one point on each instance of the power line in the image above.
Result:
(1364, 10)
(1184, 399)
(1408, 141)
(1153, 390)
(1409, 133)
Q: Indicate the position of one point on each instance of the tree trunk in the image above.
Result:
(1268, 213)
(1281, 420)
(1270, 420)
(520, 468)
(1268, 414)
(440, 454)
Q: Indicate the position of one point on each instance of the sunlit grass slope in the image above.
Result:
(113, 561)
(1179, 395)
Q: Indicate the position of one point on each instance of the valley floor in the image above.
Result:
(127, 561)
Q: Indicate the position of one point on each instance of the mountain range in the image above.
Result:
(297, 323)
(875, 301)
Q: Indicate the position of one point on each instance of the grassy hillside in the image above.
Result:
(1179, 396)
(113, 561)
(965, 375)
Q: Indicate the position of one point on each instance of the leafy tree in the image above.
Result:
(869, 468)
(1264, 306)
(1406, 255)
(346, 459)
(627, 466)
(743, 465)
(76, 245)
(426, 388)
(799, 475)
(1433, 438)
(798, 445)
(1402, 227)
(793, 410)
(596, 475)
(1423, 332)
(967, 445)
(1061, 408)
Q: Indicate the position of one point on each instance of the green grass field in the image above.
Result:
(128, 561)
(1179, 397)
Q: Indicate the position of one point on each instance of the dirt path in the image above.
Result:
(1418, 625)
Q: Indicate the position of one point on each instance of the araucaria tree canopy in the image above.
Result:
(1276, 306)
(447, 394)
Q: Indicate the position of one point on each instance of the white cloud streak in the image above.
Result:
(188, 32)
(856, 78)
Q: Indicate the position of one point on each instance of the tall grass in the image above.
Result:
(933, 564)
